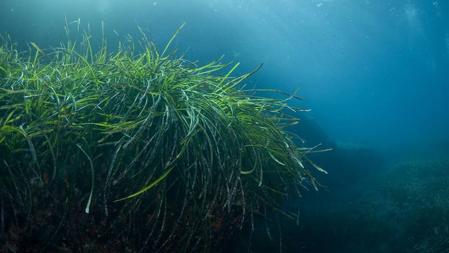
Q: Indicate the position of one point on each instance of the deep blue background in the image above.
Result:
(374, 72)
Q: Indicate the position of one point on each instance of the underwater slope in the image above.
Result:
(403, 208)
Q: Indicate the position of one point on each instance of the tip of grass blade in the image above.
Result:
(167, 46)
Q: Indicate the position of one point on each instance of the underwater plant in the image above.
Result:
(136, 149)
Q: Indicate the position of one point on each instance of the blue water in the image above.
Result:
(375, 73)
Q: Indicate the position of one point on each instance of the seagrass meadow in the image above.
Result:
(135, 149)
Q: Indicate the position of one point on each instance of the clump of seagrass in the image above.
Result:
(131, 150)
